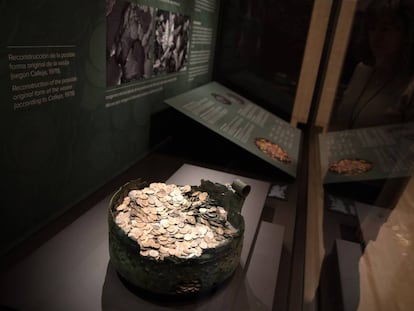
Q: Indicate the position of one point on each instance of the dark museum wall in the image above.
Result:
(76, 103)
(260, 50)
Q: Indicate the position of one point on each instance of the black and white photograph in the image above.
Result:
(171, 45)
(128, 42)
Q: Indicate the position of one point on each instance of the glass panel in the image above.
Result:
(375, 84)
(261, 48)
(367, 160)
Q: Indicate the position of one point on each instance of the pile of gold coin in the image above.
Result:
(170, 220)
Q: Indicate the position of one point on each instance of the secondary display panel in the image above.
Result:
(244, 123)
(369, 153)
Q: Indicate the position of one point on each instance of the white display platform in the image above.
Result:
(72, 270)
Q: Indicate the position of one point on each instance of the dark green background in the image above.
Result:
(55, 154)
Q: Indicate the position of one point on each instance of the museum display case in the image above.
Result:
(359, 235)
(207, 155)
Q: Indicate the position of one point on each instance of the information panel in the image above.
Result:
(141, 50)
(158, 47)
(242, 122)
(368, 153)
(41, 74)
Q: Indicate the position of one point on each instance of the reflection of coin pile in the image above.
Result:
(272, 150)
(350, 166)
(168, 220)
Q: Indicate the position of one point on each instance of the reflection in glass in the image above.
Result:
(380, 56)
(368, 214)
(260, 50)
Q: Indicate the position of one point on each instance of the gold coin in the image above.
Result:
(198, 250)
(144, 253)
(121, 207)
(172, 229)
(163, 249)
(211, 245)
(161, 193)
(153, 253)
(142, 202)
(143, 196)
(204, 222)
(155, 245)
(196, 204)
(202, 230)
(153, 217)
(165, 223)
(163, 242)
(133, 194)
(203, 245)
(203, 196)
(162, 199)
(145, 243)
